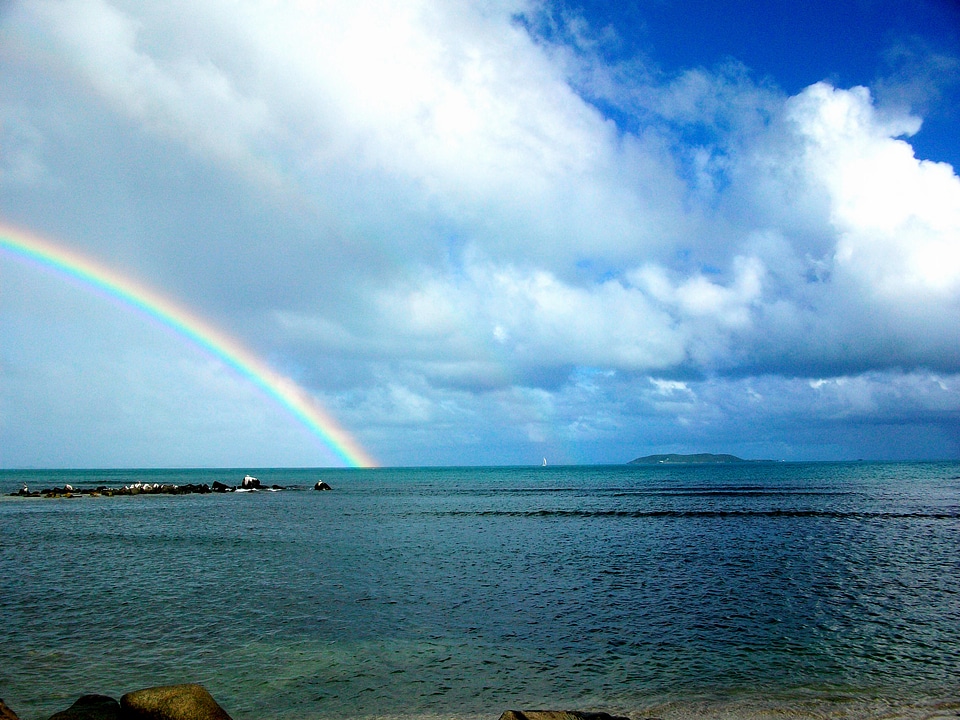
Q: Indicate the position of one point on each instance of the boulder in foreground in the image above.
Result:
(172, 702)
(558, 715)
(6, 713)
(91, 707)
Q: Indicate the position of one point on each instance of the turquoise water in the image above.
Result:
(756, 590)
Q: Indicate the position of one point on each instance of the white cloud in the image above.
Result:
(698, 297)
(185, 96)
(451, 109)
(464, 243)
(897, 218)
(852, 221)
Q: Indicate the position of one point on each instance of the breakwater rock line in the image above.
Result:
(68, 491)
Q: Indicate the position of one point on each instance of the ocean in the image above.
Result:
(761, 590)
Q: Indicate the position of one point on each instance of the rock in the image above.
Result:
(249, 483)
(172, 702)
(67, 491)
(190, 488)
(6, 713)
(321, 485)
(558, 715)
(91, 707)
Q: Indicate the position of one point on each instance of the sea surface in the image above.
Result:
(767, 590)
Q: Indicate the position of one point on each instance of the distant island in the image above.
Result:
(696, 459)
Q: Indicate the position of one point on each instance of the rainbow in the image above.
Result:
(141, 298)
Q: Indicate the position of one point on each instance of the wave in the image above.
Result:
(683, 492)
(706, 514)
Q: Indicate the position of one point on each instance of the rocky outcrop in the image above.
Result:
(139, 488)
(193, 702)
(91, 707)
(172, 702)
(167, 702)
(142, 488)
(6, 713)
(321, 485)
(558, 715)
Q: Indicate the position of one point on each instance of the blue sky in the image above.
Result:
(486, 232)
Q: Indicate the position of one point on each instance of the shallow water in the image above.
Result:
(758, 590)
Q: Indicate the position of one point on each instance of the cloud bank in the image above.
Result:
(479, 241)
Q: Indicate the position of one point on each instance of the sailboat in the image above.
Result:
(544, 463)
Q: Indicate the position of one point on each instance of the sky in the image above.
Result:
(482, 232)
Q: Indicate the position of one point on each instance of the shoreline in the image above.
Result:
(744, 705)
